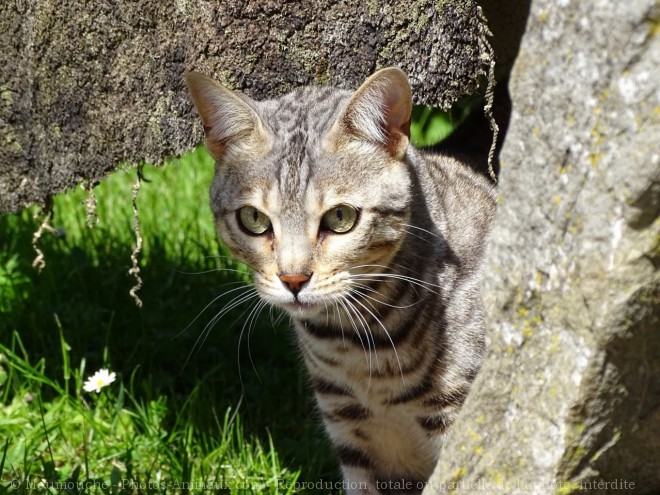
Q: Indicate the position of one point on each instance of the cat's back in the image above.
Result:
(460, 202)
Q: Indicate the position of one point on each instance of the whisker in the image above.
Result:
(367, 356)
(436, 241)
(368, 334)
(371, 289)
(231, 258)
(384, 303)
(396, 354)
(279, 318)
(385, 276)
(244, 286)
(362, 286)
(341, 324)
(428, 241)
(240, 299)
(212, 270)
(238, 348)
(250, 322)
(438, 236)
(374, 277)
(386, 268)
(270, 316)
(327, 315)
(356, 293)
(365, 325)
(211, 324)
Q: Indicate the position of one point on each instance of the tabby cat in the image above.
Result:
(375, 250)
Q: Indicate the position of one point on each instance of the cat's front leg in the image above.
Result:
(358, 481)
(362, 481)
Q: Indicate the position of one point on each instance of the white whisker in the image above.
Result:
(374, 277)
(370, 338)
(240, 299)
(396, 354)
(212, 270)
(438, 236)
(250, 308)
(367, 296)
(421, 238)
(367, 355)
(210, 304)
(250, 322)
(341, 323)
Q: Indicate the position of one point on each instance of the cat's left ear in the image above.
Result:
(378, 112)
(230, 121)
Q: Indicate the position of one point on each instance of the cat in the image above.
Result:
(374, 249)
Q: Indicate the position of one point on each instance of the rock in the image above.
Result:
(87, 85)
(568, 400)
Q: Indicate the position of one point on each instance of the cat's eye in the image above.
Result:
(252, 220)
(339, 219)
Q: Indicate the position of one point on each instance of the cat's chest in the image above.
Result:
(371, 394)
(375, 375)
(369, 417)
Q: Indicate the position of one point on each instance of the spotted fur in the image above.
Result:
(389, 317)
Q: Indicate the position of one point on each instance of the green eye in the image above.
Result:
(339, 219)
(253, 220)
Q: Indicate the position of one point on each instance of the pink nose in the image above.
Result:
(295, 281)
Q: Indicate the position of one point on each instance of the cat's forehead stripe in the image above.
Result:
(298, 121)
(293, 165)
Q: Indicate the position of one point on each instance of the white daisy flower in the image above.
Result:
(99, 380)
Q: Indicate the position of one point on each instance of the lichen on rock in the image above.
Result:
(85, 87)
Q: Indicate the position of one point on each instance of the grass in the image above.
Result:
(224, 414)
(197, 407)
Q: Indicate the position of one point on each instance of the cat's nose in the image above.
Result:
(295, 281)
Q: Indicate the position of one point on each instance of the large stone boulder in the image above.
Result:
(568, 400)
(86, 85)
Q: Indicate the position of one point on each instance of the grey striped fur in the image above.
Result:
(390, 324)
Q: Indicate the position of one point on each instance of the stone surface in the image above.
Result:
(86, 85)
(568, 400)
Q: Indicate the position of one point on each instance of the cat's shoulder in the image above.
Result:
(456, 174)
(460, 201)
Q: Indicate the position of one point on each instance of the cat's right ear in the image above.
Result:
(379, 112)
(229, 120)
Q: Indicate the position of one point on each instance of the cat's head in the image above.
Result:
(311, 188)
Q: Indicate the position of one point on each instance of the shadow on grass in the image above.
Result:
(154, 349)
